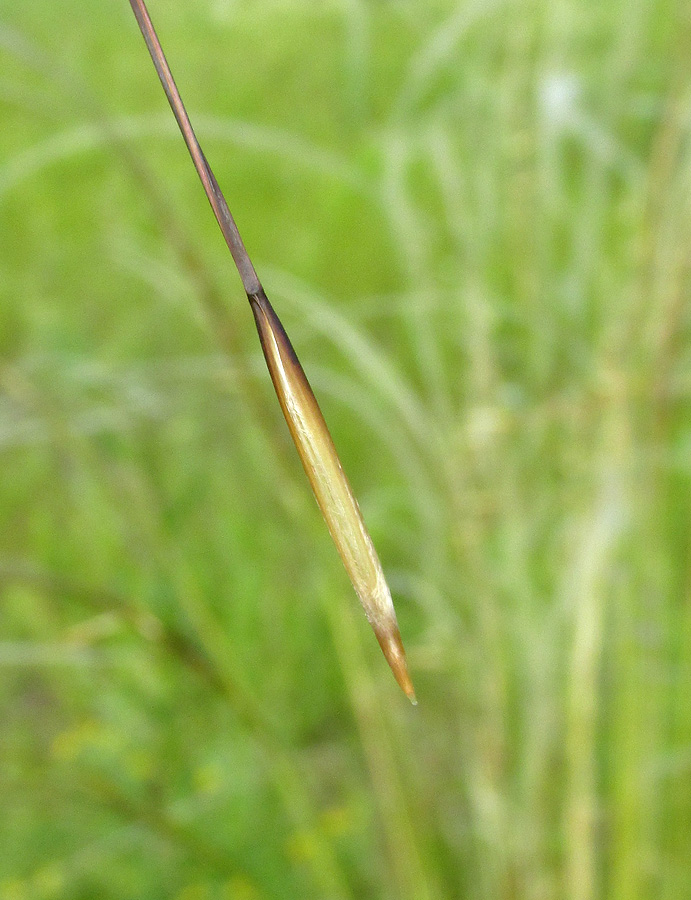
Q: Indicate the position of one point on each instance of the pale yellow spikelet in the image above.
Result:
(330, 485)
(302, 413)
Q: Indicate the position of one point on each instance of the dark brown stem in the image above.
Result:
(249, 278)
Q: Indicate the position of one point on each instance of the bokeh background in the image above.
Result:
(474, 219)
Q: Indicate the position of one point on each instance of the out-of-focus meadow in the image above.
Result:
(474, 219)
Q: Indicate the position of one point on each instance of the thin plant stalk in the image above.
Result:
(300, 408)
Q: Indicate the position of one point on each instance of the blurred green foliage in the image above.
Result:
(475, 222)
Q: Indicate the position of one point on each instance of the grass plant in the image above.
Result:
(476, 219)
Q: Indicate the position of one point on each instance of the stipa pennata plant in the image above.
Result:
(300, 408)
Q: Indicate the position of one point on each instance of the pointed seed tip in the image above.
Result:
(392, 648)
(408, 689)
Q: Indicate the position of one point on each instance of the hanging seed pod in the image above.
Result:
(300, 408)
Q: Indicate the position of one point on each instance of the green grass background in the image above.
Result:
(474, 219)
